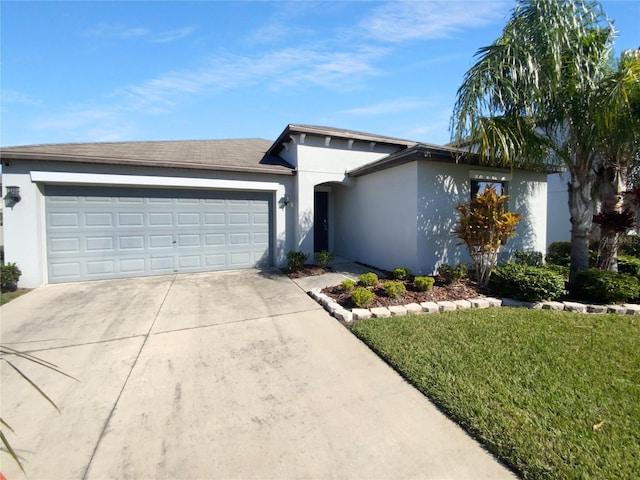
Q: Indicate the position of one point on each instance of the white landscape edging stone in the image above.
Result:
(346, 316)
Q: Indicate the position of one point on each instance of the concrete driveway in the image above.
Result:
(220, 375)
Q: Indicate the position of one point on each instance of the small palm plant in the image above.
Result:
(7, 352)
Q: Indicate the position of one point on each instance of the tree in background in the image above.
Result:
(618, 149)
(532, 99)
(484, 226)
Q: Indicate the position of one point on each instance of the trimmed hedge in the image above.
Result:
(601, 286)
(394, 289)
(559, 253)
(526, 283)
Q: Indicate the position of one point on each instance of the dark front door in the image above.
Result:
(321, 222)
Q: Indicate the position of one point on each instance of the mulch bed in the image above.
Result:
(457, 291)
(307, 271)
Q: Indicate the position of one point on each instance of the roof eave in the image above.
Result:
(25, 156)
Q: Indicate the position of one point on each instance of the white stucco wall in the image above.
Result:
(403, 216)
(24, 233)
(558, 216)
(444, 186)
(376, 218)
(323, 161)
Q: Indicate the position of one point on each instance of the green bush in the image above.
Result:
(601, 286)
(629, 264)
(323, 258)
(559, 253)
(348, 285)
(631, 246)
(362, 297)
(526, 283)
(368, 279)
(531, 258)
(562, 270)
(394, 289)
(424, 284)
(449, 274)
(296, 260)
(9, 276)
(401, 273)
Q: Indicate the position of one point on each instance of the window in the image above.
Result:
(478, 186)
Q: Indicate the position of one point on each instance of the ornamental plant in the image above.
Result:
(323, 258)
(296, 260)
(484, 226)
(348, 285)
(394, 289)
(401, 273)
(368, 279)
(362, 297)
(424, 284)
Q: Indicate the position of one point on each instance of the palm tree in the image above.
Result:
(531, 99)
(619, 149)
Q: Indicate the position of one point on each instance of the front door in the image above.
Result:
(321, 222)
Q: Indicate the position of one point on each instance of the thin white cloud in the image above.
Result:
(288, 67)
(13, 96)
(172, 35)
(408, 20)
(121, 32)
(391, 106)
(117, 31)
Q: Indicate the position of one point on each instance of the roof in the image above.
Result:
(433, 153)
(248, 155)
(293, 129)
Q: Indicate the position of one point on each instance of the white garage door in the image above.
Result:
(97, 233)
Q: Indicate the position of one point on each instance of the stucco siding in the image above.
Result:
(442, 187)
(558, 216)
(376, 218)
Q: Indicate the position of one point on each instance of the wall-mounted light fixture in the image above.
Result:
(286, 200)
(12, 197)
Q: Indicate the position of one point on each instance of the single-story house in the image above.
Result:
(111, 210)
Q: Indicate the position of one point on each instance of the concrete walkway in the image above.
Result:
(219, 375)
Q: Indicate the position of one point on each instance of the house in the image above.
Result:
(113, 210)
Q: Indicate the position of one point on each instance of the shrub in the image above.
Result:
(362, 297)
(9, 276)
(602, 286)
(531, 258)
(401, 273)
(449, 274)
(559, 253)
(323, 258)
(562, 270)
(368, 279)
(527, 283)
(424, 284)
(348, 285)
(629, 264)
(296, 260)
(631, 246)
(394, 289)
(484, 225)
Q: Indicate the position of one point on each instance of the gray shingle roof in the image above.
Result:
(248, 155)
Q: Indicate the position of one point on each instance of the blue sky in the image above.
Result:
(122, 71)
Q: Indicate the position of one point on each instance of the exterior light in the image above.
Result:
(12, 197)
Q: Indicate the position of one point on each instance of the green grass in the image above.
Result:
(530, 385)
(6, 297)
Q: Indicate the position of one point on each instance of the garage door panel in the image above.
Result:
(101, 232)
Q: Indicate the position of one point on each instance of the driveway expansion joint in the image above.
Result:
(126, 380)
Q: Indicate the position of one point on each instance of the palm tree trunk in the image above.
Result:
(612, 185)
(581, 210)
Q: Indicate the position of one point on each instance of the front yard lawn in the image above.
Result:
(552, 394)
